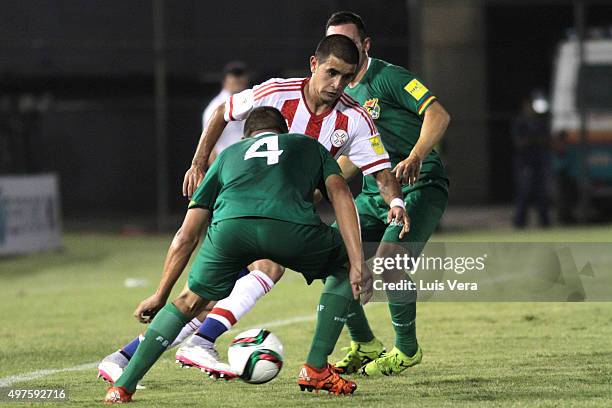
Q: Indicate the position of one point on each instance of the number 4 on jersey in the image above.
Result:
(271, 153)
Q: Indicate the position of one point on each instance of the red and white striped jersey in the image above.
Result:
(345, 130)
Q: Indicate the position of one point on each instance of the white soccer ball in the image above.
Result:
(256, 355)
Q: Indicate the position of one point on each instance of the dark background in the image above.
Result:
(76, 81)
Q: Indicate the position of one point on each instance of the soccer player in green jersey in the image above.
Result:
(260, 192)
(411, 122)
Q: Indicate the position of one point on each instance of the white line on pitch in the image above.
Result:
(8, 381)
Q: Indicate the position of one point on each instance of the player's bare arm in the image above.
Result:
(349, 170)
(183, 244)
(346, 216)
(391, 192)
(208, 139)
(435, 123)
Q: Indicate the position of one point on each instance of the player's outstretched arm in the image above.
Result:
(208, 139)
(183, 244)
(348, 223)
(435, 123)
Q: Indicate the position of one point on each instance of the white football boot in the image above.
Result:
(111, 367)
(197, 352)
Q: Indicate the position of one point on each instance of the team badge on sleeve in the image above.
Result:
(372, 107)
(339, 138)
(416, 89)
(377, 145)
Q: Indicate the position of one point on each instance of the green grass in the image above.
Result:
(67, 308)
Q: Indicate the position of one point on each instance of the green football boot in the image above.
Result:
(391, 363)
(358, 355)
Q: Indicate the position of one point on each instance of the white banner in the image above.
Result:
(30, 217)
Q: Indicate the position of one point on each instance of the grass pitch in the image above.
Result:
(65, 309)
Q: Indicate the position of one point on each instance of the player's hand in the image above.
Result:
(407, 171)
(193, 178)
(317, 196)
(355, 278)
(398, 216)
(148, 308)
(360, 278)
(366, 284)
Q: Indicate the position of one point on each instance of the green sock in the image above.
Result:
(330, 320)
(164, 328)
(403, 317)
(357, 323)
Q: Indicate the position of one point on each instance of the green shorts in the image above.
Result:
(425, 205)
(317, 252)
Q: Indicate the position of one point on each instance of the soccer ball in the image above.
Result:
(256, 355)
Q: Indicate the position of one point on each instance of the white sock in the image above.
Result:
(247, 291)
(187, 330)
(199, 341)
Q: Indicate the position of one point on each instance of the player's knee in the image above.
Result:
(206, 310)
(190, 303)
(339, 286)
(392, 249)
(276, 272)
(273, 270)
(209, 306)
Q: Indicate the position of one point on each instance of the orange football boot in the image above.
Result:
(324, 379)
(117, 395)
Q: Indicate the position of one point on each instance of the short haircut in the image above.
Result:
(235, 68)
(339, 46)
(347, 17)
(265, 118)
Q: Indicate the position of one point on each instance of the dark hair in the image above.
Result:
(235, 68)
(265, 117)
(339, 46)
(347, 17)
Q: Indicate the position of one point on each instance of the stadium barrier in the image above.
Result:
(30, 216)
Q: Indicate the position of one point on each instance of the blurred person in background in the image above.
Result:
(530, 137)
(235, 79)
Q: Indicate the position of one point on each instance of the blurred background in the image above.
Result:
(108, 97)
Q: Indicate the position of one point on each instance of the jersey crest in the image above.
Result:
(372, 107)
(339, 138)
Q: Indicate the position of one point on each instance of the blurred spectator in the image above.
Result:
(235, 79)
(531, 163)
(20, 135)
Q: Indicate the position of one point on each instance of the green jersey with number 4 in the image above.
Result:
(269, 176)
(397, 100)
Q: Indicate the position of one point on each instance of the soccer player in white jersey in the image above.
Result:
(235, 79)
(315, 106)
